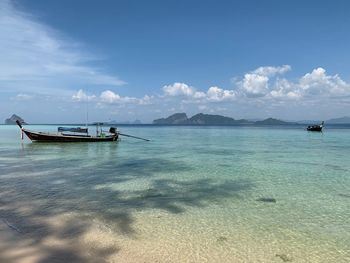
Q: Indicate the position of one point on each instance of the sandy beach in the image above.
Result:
(74, 237)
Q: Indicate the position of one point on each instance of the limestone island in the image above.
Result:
(208, 119)
(12, 120)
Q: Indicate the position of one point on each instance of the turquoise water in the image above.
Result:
(190, 195)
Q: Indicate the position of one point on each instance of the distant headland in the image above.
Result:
(208, 119)
(12, 120)
(203, 119)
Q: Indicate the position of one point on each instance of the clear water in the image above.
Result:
(190, 195)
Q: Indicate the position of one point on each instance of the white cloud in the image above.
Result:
(178, 89)
(254, 85)
(109, 97)
(257, 90)
(190, 94)
(284, 89)
(316, 85)
(269, 71)
(23, 97)
(82, 96)
(256, 82)
(182, 90)
(199, 95)
(266, 89)
(35, 57)
(263, 83)
(319, 83)
(146, 100)
(218, 94)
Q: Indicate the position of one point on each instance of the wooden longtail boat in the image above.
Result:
(73, 135)
(317, 128)
(76, 134)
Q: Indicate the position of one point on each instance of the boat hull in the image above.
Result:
(316, 129)
(46, 137)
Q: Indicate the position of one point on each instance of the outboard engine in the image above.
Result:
(113, 130)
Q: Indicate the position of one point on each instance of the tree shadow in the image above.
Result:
(35, 189)
(48, 243)
(174, 196)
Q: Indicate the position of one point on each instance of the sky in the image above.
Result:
(142, 60)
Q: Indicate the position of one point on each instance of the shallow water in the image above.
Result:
(190, 195)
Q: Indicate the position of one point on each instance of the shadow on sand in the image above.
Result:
(37, 193)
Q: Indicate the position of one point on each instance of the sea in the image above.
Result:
(190, 194)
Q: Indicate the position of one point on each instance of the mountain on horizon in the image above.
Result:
(272, 121)
(342, 120)
(209, 119)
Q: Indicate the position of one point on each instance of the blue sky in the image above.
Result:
(142, 60)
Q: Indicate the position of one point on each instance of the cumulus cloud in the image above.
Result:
(80, 95)
(284, 89)
(182, 89)
(255, 85)
(178, 89)
(269, 71)
(218, 94)
(37, 58)
(146, 100)
(191, 94)
(256, 82)
(258, 87)
(319, 83)
(263, 83)
(110, 97)
(314, 85)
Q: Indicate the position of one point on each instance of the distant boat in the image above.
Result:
(68, 134)
(77, 134)
(317, 128)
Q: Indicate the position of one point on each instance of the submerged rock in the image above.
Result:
(151, 193)
(267, 200)
(284, 257)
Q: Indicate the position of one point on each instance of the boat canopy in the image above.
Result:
(75, 129)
